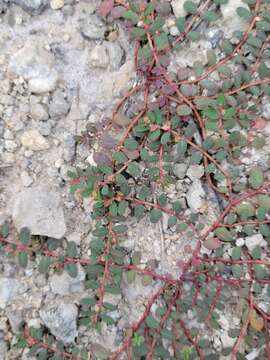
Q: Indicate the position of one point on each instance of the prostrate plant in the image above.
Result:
(210, 114)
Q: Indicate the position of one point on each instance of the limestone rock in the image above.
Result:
(41, 211)
(60, 318)
(63, 284)
(33, 140)
(195, 196)
(10, 289)
(35, 64)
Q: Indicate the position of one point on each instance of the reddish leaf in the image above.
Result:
(106, 7)
(212, 243)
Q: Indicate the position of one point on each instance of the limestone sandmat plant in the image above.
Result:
(212, 115)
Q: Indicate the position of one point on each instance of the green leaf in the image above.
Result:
(122, 206)
(156, 25)
(190, 129)
(260, 272)
(244, 13)
(181, 148)
(138, 33)
(172, 221)
(165, 138)
(151, 322)
(223, 234)
(23, 259)
(180, 23)
(25, 236)
(149, 9)
(72, 270)
(190, 7)
(227, 47)
(256, 177)
(209, 16)
(196, 158)
(134, 169)
(131, 144)
(5, 230)
(236, 253)
(119, 157)
(161, 41)
(113, 209)
(139, 211)
(132, 16)
(155, 215)
(131, 276)
(256, 253)
(44, 264)
(184, 110)
(237, 271)
(71, 249)
(120, 229)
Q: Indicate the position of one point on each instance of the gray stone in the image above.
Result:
(60, 318)
(195, 196)
(69, 146)
(255, 240)
(33, 7)
(116, 54)
(35, 65)
(59, 106)
(38, 112)
(180, 170)
(99, 57)
(63, 284)
(195, 172)
(214, 35)
(27, 180)
(92, 28)
(41, 211)
(10, 289)
(15, 319)
(266, 108)
(45, 81)
(11, 145)
(3, 347)
(44, 128)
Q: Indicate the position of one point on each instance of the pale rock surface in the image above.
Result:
(41, 211)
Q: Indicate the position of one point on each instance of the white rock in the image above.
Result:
(38, 112)
(57, 4)
(63, 284)
(195, 172)
(44, 82)
(34, 64)
(177, 6)
(10, 289)
(231, 21)
(255, 240)
(99, 57)
(195, 196)
(26, 179)
(174, 31)
(61, 318)
(253, 355)
(180, 170)
(41, 211)
(226, 340)
(240, 242)
(33, 140)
